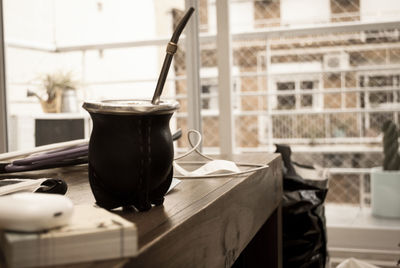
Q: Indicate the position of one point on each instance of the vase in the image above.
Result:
(53, 105)
(69, 101)
(130, 152)
(385, 193)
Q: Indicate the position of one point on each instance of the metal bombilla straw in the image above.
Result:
(171, 49)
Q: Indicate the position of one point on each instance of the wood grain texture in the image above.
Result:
(203, 222)
(207, 223)
(265, 249)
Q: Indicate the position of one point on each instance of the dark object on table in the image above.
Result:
(42, 185)
(53, 186)
(303, 216)
(130, 153)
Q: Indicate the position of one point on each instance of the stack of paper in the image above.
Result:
(93, 234)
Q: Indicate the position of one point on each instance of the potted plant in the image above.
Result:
(385, 181)
(55, 87)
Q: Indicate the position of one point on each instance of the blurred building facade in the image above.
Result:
(325, 93)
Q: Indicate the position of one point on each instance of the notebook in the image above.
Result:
(93, 234)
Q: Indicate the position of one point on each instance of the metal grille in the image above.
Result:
(325, 94)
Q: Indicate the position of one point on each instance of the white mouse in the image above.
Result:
(33, 212)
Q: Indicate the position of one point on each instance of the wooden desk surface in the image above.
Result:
(203, 222)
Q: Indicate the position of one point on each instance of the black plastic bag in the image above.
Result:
(303, 214)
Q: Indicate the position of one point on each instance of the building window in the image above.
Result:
(306, 100)
(286, 101)
(209, 89)
(378, 36)
(267, 13)
(300, 99)
(387, 89)
(383, 91)
(345, 10)
(209, 92)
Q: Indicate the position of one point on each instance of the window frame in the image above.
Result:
(364, 98)
(3, 99)
(298, 92)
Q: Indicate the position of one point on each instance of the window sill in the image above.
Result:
(354, 232)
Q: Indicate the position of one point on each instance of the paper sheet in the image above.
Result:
(212, 167)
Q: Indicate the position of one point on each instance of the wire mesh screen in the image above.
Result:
(208, 80)
(325, 94)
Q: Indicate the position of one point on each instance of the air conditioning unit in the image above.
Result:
(336, 61)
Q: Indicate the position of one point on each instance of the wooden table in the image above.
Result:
(203, 222)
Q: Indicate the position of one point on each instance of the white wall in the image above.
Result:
(29, 20)
(241, 16)
(93, 21)
(304, 11)
(74, 22)
(163, 15)
(382, 9)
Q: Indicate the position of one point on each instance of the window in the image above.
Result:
(209, 95)
(345, 10)
(387, 89)
(306, 100)
(299, 99)
(382, 36)
(3, 123)
(383, 91)
(209, 89)
(286, 101)
(209, 92)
